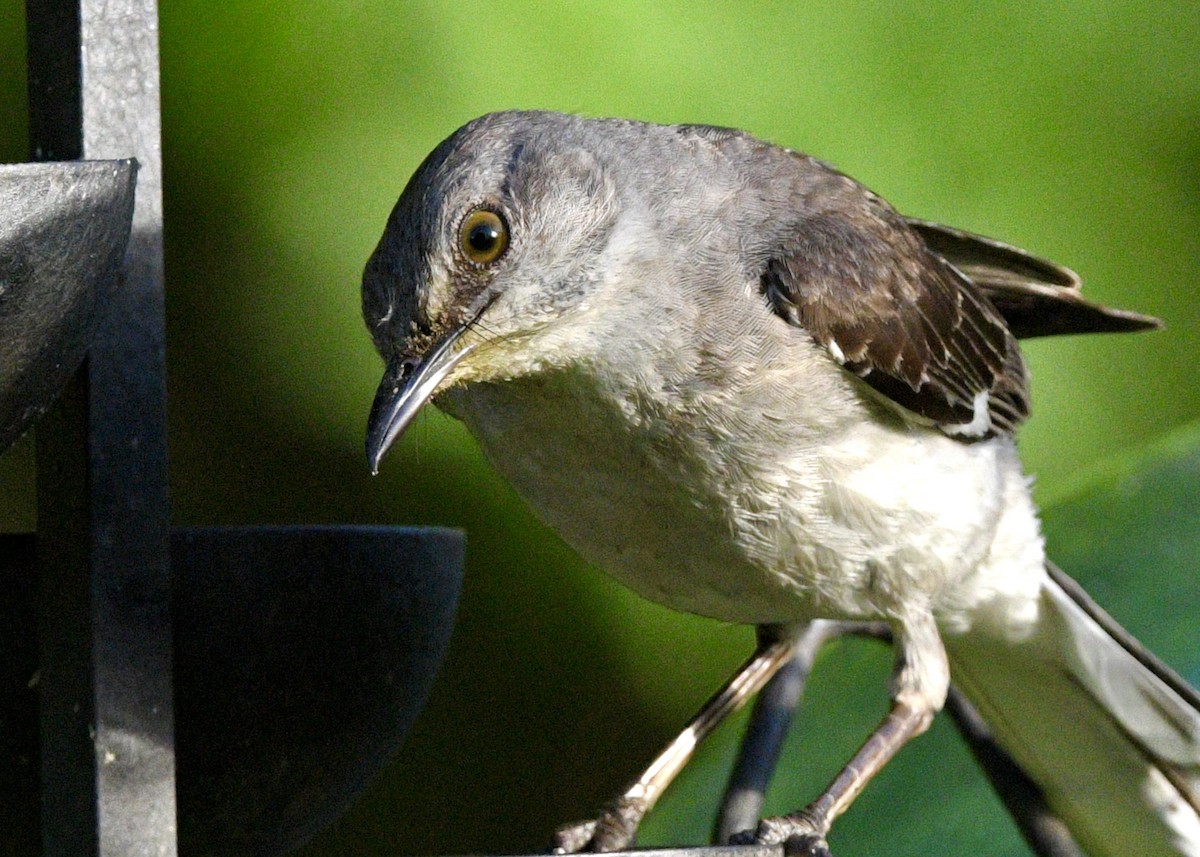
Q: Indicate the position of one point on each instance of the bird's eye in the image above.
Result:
(483, 236)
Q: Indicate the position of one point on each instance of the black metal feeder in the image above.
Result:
(62, 238)
(302, 657)
(213, 691)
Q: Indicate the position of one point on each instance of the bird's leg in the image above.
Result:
(804, 832)
(617, 826)
(920, 682)
(1044, 832)
(770, 721)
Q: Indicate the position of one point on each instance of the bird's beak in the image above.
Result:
(406, 386)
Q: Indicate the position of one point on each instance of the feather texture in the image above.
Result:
(860, 279)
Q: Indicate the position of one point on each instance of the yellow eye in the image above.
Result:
(483, 236)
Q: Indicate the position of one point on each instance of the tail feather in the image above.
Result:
(1110, 734)
(1154, 704)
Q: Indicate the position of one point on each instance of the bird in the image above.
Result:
(746, 387)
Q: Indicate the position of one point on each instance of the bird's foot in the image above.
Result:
(800, 834)
(614, 830)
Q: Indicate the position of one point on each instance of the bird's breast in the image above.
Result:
(735, 503)
(623, 487)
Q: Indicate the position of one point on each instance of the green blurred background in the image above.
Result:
(289, 129)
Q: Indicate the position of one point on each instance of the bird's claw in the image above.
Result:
(799, 835)
(572, 838)
(614, 830)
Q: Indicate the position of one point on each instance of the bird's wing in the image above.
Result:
(1035, 296)
(863, 283)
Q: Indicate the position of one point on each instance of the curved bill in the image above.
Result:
(406, 386)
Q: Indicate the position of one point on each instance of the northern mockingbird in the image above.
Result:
(746, 387)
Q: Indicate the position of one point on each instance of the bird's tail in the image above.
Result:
(1109, 733)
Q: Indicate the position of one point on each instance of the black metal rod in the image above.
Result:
(770, 720)
(103, 520)
(1044, 832)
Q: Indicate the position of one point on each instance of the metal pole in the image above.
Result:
(103, 520)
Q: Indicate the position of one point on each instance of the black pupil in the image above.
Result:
(483, 237)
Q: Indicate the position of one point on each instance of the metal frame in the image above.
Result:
(106, 681)
(125, 612)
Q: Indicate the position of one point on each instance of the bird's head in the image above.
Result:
(498, 234)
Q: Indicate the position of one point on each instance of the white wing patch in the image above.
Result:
(981, 419)
(836, 351)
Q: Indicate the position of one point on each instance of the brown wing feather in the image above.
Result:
(926, 314)
(1036, 297)
(861, 281)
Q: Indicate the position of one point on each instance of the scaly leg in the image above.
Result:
(1044, 832)
(920, 682)
(617, 826)
(770, 721)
